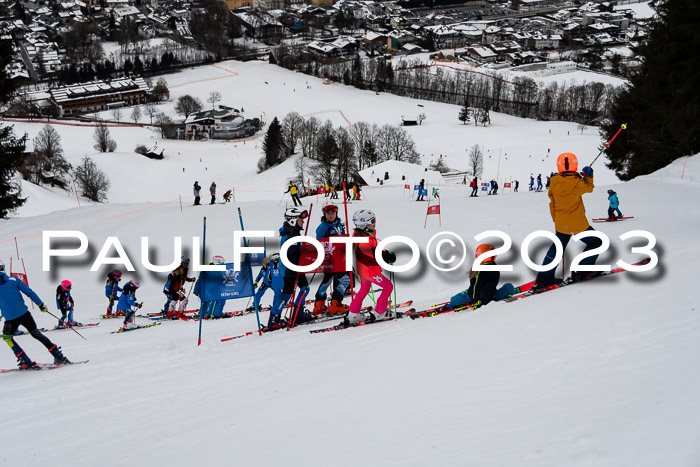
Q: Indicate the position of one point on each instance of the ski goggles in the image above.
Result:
(330, 208)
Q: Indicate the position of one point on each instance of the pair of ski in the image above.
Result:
(320, 319)
(605, 219)
(42, 366)
(134, 328)
(59, 328)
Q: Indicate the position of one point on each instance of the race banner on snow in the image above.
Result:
(229, 284)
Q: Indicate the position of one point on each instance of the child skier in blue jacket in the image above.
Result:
(16, 314)
(112, 288)
(614, 206)
(127, 302)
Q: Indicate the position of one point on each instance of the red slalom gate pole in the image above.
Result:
(17, 246)
(296, 308)
(76, 193)
(347, 223)
(180, 196)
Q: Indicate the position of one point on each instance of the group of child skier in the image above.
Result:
(566, 209)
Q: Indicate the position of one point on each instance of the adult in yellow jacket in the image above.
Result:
(568, 213)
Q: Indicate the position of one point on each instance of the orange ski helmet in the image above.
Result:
(481, 249)
(567, 162)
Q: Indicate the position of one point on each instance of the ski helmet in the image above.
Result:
(185, 261)
(135, 284)
(292, 214)
(218, 260)
(66, 285)
(481, 249)
(610, 192)
(275, 257)
(2, 266)
(567, 162)
(363, 217)
(330, 207)
(266, 260)
(117, 274)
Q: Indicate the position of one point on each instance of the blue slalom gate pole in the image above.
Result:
(204, 242)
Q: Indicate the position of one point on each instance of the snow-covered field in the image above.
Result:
(598, 374)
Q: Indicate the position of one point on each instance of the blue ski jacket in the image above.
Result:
(614, 203)
(328, 229)
(12, 304)
(126, 301)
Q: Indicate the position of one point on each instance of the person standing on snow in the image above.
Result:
(614, 206)
(212, 192)
(292, 227)
(517, 184)
(539, 182)
(127, 303)
(16, 314)
(569, 214)
(173, 289)
(212, 309)
(475, 187)
(532, 183)
(112, 288)
(420, 190)
(331, 225)
(368, 268)
(196, 190)
(483, 285)
(65, 304)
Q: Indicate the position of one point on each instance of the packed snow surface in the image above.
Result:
(597, 374)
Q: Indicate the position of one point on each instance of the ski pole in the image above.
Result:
(281, 198)
(393, 282)
(622, 127)
(71, 327)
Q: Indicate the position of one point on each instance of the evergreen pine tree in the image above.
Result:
(662, 105)
(273, 144)
(465, 113)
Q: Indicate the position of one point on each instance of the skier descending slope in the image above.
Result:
(128, 304)
(331, 225)
(65, 303)
(210, 309)
(292, 227)
(16, 314)
(569, 215)
(483, 285)
(112, 288)
(173, 289)
(614, 206)
(271, 278)
(368, 269)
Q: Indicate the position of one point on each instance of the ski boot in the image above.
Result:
(353, 319)
(276, 322)
(582, 276)
(319, 307)
(337, 308)
(28, 366)
(58, 357)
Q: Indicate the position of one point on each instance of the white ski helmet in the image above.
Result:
(363, 217)
(218, 260)
(275, 257)
(292, 214)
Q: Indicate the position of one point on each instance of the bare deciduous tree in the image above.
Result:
(476, 161)
(93, 182)
(136, 114)
(214, 97)
(117, 114)
(151, 111)
(103, 139)
(187, 105)
(291, 129)
(162, 121)
(307, 136)
(47, 164)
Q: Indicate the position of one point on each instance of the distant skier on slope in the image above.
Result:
(483, 285)
(196, 189)
(128, 304)
(16, 314)
(212, 192)
(368, 268)
(569, 214)
(475, 187)
(112, 288)
(539, 182)
(211, 309)
(614, 206)
(294, 192)
(65, 304)
(532, 183)
(331, 225)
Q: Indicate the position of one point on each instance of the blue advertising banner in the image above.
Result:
(229, 284)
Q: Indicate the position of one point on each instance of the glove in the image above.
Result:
(587, 171)
(255, 284)
(476, 305)
(139, 305)
(191, 279)
(43, 308)
(389, 257)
